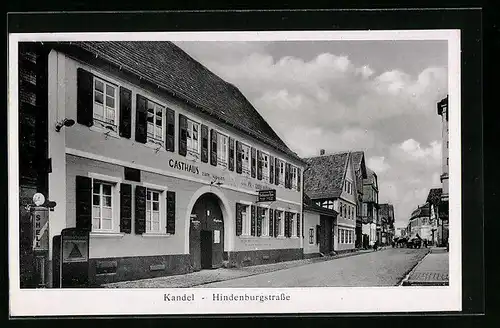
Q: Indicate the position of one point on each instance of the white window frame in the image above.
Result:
(265, 222)
(281, 225)
(163, 209)
(246, 169)
(282, 164)
(115, 202)
(246, 220)
(293, 222)
(102, 122)
(222, 154)
(311, 236)
(329, 204)
(266, 173)
(189, 133)
(153, 139)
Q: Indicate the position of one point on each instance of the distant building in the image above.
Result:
(419, 223)
(330, 182)
(434, 200)
(386, 214)
(442, 110)
(371, 222)
(358, 160)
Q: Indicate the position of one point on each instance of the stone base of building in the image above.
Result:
(311, 255)
(108, 270)
(344, 251)
(257, 257)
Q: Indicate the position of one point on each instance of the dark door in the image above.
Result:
(325, 245)
(206, 240)
(206, 249)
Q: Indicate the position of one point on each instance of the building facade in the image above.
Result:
(358, 159)
(370, 210)
(386, 214)
(443, 110)
(420, 223)
(330, 182)
(164, 163)
(434, 200)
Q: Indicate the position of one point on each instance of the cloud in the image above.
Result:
(412, 150)
(378, 164)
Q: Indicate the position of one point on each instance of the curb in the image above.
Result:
(404, 281)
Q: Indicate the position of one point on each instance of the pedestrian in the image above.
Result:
(375, 245)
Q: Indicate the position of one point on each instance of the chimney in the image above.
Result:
(321, 152)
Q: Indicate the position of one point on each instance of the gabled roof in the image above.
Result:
(421, 211)
(309, 205)
(434, 196)
(165, 65)
(325, 176)
(371, 177)
(358, 162)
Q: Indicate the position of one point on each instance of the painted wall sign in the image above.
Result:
(181, 166)
(40, 229)
(267, 195)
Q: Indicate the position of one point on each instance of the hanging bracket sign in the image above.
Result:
(267, 195)
(40, 228)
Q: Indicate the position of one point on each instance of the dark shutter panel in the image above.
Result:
(125, 112)
(271, 222)
(276, 224)
(125, 208)
(182, 135)
(253, 162)
(83, 202)
(260, 212)
(298, 179)
(171, 212)
(303, 230)
(213, 147)
(298, 225)
(140, 209)
(85, 97)
(231, 154)
(239, 220)
(204, 143)
(288, 175)
(317, 233)
(259, 165)
(277, 171)
(271, 169)
(252, 220)
(288, 225)
(141, 119)
(170, 131)
(239, 167)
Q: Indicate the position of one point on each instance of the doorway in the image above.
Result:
(326, 245)
(206, 233)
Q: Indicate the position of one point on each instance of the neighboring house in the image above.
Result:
(386, 214)
(330, 182)
(434, 200)
(443, 110)
(371, 221)
(420, 224)
(318, 229)
(162, 166)
(358, 160)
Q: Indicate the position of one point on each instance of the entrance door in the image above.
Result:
(325, 245)
(206, 233)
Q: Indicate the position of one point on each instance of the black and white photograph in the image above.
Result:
(214, 168)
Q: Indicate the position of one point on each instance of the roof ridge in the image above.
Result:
(328, 155)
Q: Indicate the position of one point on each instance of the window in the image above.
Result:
(105, 108)
(155, 121)
(311, 236)
(193, 137)
(245, 159)
(265, 167)
(293, 222)
(282, 173)
(222, 150)
(281, 224)
(341, 233)
(153, 210)
(294, 177)
(327, 204)
(265, 222)
(345, 211)
(246, 222)
(102, 206)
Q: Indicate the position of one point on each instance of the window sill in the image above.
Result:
(154, 145)
(247, 236)
(99, 234)
(103, 130)
(281, 237)
(153, 235)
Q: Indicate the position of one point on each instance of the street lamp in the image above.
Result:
(66, 122)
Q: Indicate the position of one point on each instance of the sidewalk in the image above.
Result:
(433, 270)
(209, 276)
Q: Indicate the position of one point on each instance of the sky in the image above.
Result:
(376, 96)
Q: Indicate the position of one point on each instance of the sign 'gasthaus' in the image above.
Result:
(159, 138)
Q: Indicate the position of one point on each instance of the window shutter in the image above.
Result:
(271, 169)
(277, 171)
(182, 135)
(298, 179)
(125, 112)
(298, 224)
(125, 208)
(239, 167)
(253, 162)
(170, 130)
(239, 219)
(252, 220)
(141, 119)
(140, 210)
(286, 224)
(271, 222)
(276, 223)
(317, 233)
(260, 212)
(204, 143)
(85, 97)
(83, 202)
(213, 147)
(171, 212)
(231, 154)
(259, 165)
(287, 175)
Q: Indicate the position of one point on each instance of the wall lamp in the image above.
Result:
(66, 122)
